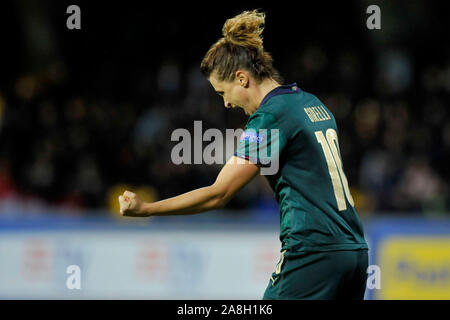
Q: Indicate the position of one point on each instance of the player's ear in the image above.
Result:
(242, 78)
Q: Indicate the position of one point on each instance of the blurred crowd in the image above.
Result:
(68, 145)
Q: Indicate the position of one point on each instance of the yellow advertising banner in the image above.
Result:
(414, 268)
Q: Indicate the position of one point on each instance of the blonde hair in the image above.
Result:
(240, 48)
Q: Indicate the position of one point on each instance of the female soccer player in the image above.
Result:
(323, 250)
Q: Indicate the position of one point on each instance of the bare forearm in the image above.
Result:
(231, 178)
(192, 202)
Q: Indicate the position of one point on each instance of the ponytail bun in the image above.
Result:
(240, 48)
(245, 29)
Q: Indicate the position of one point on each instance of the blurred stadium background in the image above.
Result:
(86, 113)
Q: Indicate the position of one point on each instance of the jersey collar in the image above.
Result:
(284, 89)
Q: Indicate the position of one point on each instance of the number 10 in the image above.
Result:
(330, 147)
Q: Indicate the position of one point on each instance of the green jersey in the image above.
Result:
(299, 133)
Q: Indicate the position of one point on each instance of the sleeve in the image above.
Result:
(262, 140)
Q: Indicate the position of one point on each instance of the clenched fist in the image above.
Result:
(130, 204)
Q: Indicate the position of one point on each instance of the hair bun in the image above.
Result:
(245, 29)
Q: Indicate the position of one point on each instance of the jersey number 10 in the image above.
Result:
(330, 147)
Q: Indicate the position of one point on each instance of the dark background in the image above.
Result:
(86, 113)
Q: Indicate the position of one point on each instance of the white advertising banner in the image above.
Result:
(137, 264)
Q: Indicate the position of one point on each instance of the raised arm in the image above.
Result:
(235, 174)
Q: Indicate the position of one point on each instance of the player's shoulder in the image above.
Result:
(288, 103)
